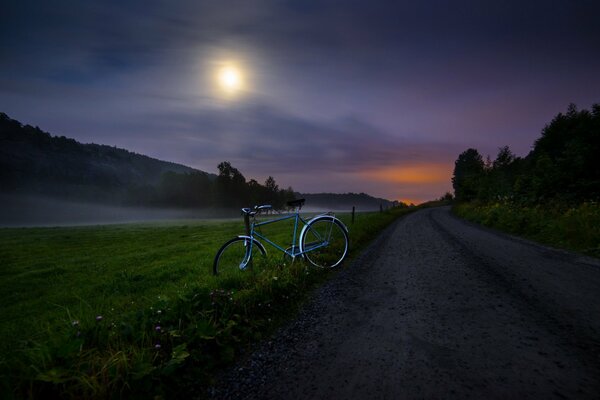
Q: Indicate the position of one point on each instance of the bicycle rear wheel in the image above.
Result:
(236, 255)
(325, 242)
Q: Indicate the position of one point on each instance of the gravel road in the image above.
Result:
(438, 308)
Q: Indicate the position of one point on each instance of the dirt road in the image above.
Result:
(439, 308)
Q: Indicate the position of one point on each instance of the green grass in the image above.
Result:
(56, 282)
(574, 228)
(54, 275)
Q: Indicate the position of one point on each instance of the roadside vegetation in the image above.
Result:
(552, 195)
(576, 228)
(133, 310)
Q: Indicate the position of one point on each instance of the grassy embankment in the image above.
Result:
(573, 228)
(110, 311)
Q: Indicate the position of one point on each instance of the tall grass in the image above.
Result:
(575, 228)
(132, 310)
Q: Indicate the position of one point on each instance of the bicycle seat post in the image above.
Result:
(247, 223)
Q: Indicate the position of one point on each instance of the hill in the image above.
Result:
(36, 165)
(345, 201)
(34, 162)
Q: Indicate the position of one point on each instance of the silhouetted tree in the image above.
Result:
(272, 194)
(565, 158)
(447, 197)
(468, 172)
(502, 175)
(563, 165)
(230, 187)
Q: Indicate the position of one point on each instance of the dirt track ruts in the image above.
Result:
(438, 308)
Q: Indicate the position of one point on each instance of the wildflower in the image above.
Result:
(75, 323)
(159, 312)
(157, 346)
(157, 328)
(275, 278)
(99, 318)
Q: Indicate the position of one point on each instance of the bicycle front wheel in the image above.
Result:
(236, 255)
(325, 242)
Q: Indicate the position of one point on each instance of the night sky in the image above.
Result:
(377, 97)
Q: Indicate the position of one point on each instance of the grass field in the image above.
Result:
(53, 276)
(92, 310)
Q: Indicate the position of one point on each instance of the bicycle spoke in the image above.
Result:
(325, 243)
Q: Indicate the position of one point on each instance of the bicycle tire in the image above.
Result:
(325, 242)
(232, 257)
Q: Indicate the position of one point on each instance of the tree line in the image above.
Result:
(563, 166)
(228, 190)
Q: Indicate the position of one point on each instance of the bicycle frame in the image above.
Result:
(292, 253)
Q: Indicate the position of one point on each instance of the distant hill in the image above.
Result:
(345, 201)
(34, 162)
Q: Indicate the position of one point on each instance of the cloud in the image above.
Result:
(346, 94)
(269, 139)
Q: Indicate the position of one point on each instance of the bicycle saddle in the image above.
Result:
(256, 209)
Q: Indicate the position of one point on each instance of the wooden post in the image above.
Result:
(353, 209)
(380, 207)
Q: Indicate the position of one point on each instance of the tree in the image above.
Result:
(271, 185)
(446, 197)
(468, 172)
(274, 196)
(502, 175)
(569, 149)
(230, 187)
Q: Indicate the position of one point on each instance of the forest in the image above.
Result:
(561, 168)
(33, 162)
(551, 196)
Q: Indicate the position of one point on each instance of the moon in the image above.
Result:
(230, 79)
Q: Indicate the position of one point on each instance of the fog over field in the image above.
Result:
(44, 211)
(28, 211)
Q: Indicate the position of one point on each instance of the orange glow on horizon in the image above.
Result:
(408, 201)
(411, 174)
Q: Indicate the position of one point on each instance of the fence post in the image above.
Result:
(380, 207)
(353, 208)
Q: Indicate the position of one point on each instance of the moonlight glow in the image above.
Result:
(230, 79)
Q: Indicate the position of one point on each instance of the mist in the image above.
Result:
(43, 211)
(30, 210)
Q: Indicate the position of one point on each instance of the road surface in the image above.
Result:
(438, 308)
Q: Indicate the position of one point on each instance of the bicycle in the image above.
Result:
(323, 241)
